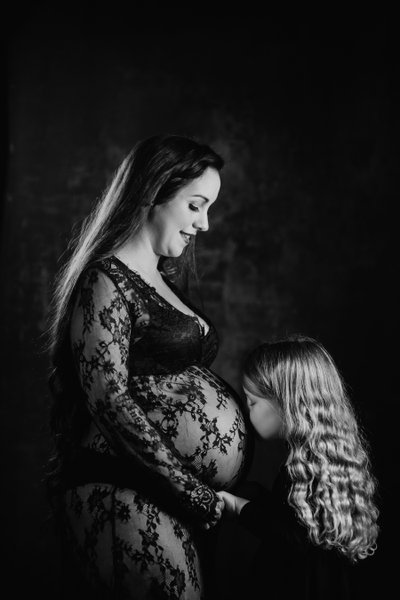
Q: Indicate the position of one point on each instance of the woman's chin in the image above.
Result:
(175, 253)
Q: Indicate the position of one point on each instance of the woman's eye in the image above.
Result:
(194, 207)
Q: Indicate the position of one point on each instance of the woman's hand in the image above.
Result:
(233, 504)
(218, 514)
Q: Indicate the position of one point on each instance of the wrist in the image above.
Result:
(240, 503)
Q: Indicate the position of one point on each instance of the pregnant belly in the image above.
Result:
(201, 415)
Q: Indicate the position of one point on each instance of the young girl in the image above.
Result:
(320, 515)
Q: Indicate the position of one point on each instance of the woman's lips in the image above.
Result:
(186, 236)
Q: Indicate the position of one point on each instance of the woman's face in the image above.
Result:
(173, 224)
(264, 412)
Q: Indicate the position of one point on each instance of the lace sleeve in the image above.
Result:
(100, 335)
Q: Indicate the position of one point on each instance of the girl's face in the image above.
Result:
(173, 224)
(264, 412)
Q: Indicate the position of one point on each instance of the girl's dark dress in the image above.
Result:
(162, 433)
(287, 565)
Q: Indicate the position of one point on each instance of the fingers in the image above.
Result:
(221, 506)
(218, 514)
(226, 499)
(223, 498)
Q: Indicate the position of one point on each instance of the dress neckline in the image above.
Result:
(163, 300)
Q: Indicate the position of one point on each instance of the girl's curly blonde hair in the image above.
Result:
(332, 487)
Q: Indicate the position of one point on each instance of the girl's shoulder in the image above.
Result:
(282, 481)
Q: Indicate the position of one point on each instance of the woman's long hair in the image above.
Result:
(151, 174)
(332, 487)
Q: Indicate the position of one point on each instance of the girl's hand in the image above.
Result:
(233, 504)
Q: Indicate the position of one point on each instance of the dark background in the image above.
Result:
(305, 111)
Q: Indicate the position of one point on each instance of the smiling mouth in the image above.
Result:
(186, 236)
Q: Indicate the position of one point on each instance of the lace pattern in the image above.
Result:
(152, 399)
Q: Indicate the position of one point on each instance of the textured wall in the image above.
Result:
(300, 238)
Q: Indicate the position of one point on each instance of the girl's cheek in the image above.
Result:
(252, 417)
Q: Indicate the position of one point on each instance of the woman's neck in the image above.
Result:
(138, 254)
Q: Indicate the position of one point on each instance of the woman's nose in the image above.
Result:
(201, 222)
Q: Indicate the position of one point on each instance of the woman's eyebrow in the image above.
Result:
(200, 196)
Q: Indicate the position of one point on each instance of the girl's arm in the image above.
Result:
(101, 340)
(263, 516)
(233, 504)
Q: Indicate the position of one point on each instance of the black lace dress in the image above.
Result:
(163, 433)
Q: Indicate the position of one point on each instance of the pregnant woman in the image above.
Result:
(145, 433)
